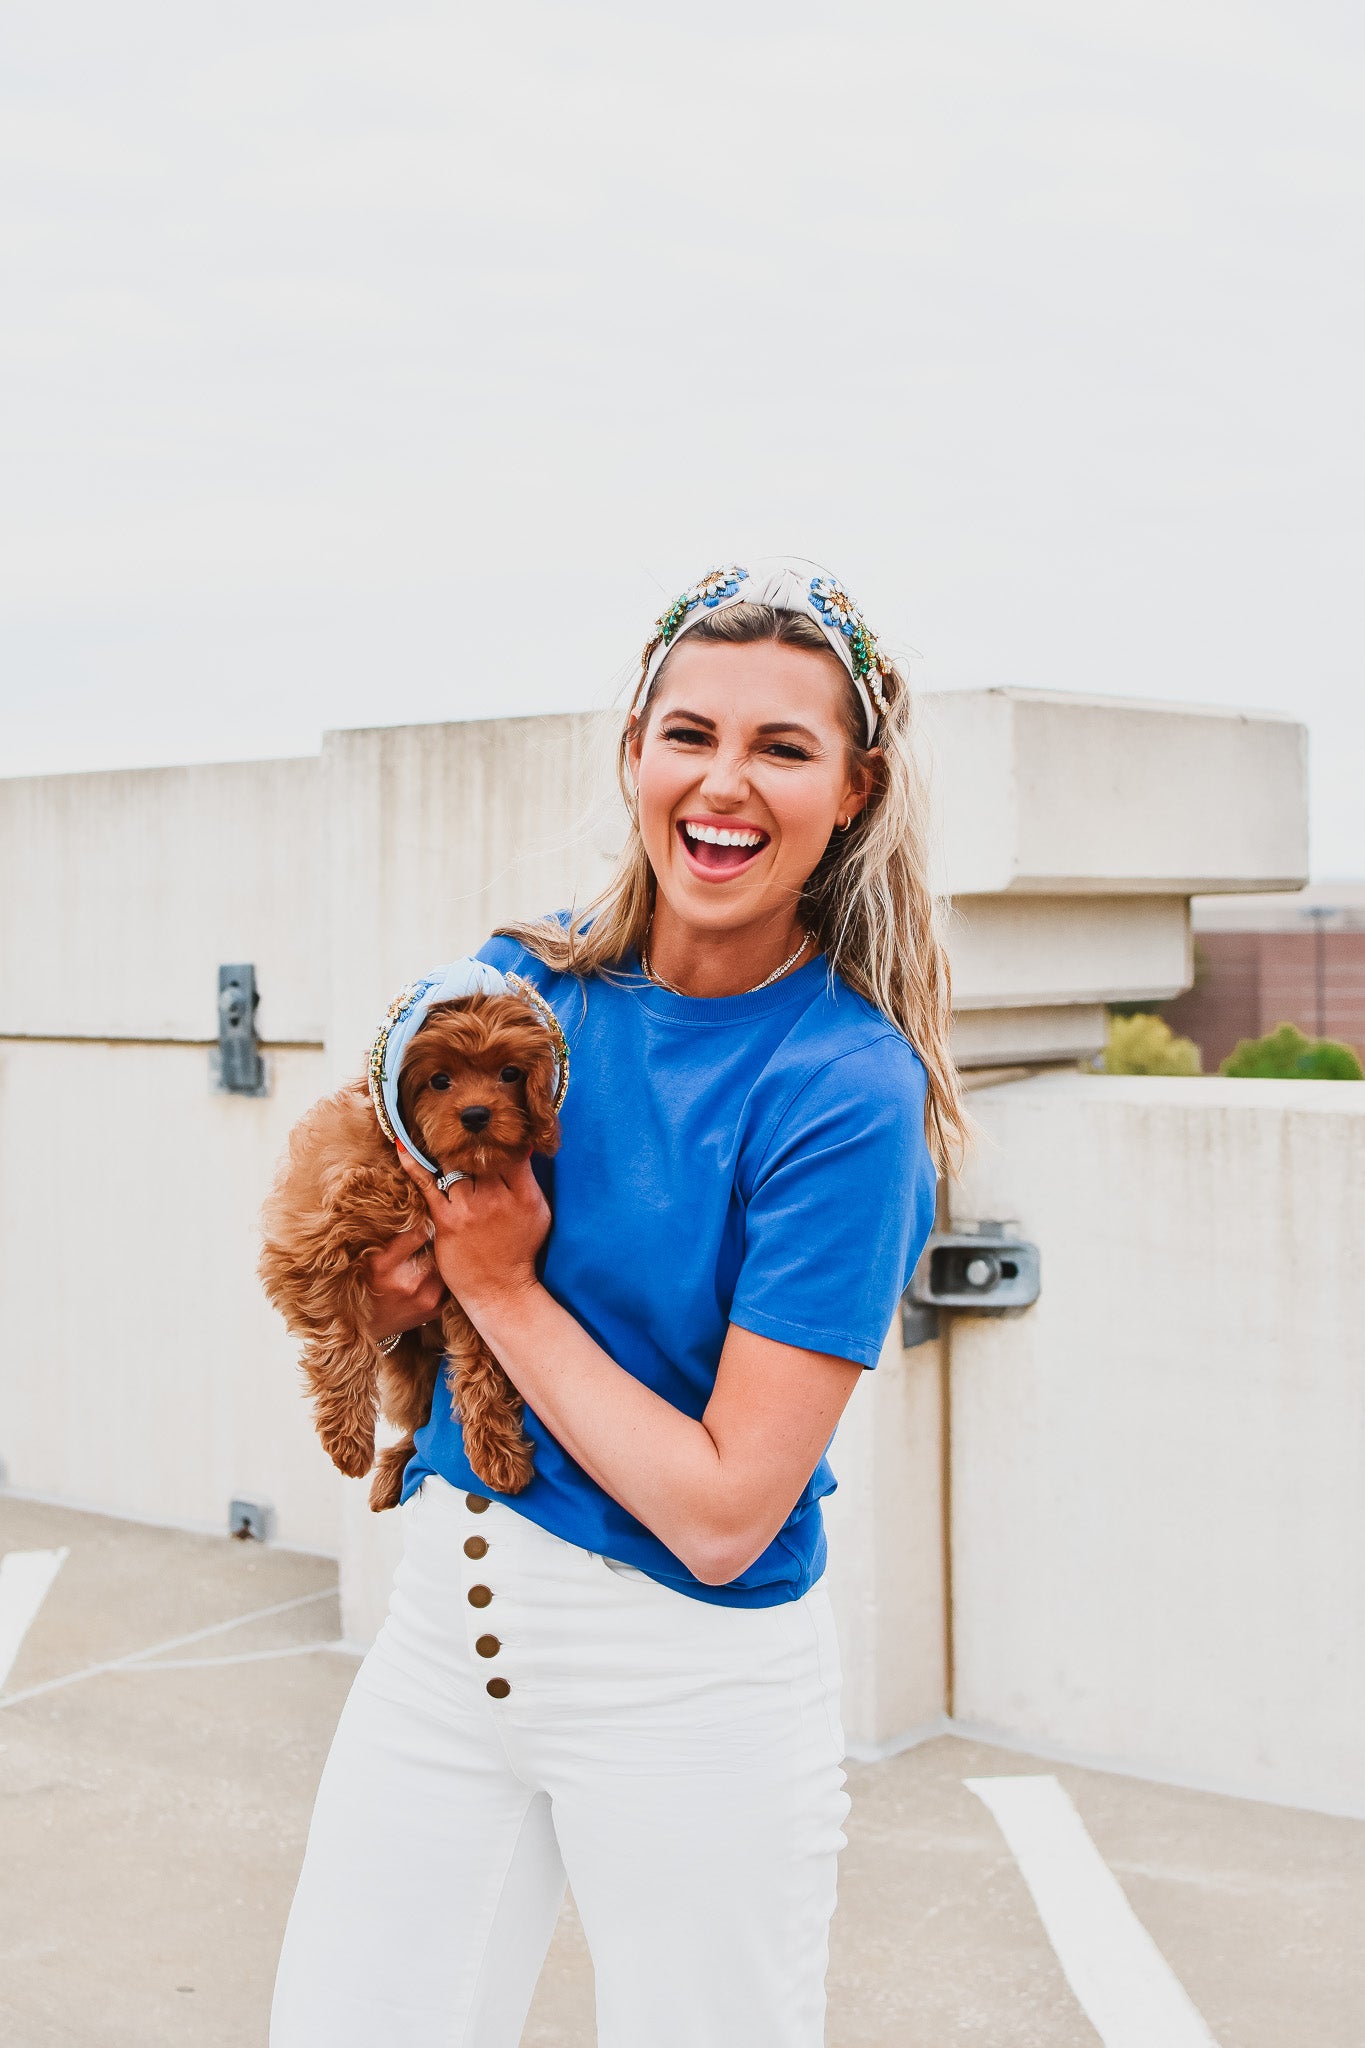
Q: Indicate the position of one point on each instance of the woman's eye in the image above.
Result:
(510, 1074)
(785, 751)
(690, 735)
(440, 1082)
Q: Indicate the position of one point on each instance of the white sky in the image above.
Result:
(378, 363)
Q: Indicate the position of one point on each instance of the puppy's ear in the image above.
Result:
(540, 1104)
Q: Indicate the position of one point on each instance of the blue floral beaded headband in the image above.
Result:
(786, 583)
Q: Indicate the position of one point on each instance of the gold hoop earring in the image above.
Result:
(842, 824)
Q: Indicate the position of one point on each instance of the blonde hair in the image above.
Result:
(867, 904)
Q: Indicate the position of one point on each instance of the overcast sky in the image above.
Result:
(377, 363)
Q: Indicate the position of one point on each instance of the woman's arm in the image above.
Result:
(716, 1491)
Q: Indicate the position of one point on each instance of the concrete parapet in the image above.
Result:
(141, 1370)
(1158, 1473)
(124, 892)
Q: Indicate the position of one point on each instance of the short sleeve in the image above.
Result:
(841, 1206)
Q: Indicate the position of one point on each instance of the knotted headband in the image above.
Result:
(404, 1019)
(788, 584)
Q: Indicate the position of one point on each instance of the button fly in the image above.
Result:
(475, 1546)
(479, 1596)
(488, 1646)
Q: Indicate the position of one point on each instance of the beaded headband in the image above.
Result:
(786, 583)
(406, 1015)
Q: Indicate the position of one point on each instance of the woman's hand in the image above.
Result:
(487, 1232)
(404, 1286)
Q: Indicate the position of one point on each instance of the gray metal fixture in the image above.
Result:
(249, 1519)
(985, 1269)
(236, 1066)
(919, 1324)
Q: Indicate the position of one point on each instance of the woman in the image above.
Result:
(628, 1672)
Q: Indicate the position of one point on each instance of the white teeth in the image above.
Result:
(718, 835)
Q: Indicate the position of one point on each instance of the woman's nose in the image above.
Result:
(725, 776)
(475, 1118)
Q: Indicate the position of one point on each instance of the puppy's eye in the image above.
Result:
(510, 1074)
(441, 1081)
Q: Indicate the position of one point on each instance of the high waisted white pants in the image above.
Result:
(531, 1710)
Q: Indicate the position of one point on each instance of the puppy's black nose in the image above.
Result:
(475, 1118)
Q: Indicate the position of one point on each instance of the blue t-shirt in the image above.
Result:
(755, 1159)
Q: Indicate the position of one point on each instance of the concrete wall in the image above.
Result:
(887, 1533)
(438, 834)
(123, 893)
(1158, 1473)
(140, 1370)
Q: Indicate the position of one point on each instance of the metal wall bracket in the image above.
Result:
(236, 1066)
(249, 1520)
(919, 1324)
(982, 1268)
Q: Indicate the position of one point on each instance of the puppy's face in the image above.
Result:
(477, 1084)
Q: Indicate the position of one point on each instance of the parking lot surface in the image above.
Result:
(167, 1713)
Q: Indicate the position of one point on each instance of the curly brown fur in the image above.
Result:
(340, 1194)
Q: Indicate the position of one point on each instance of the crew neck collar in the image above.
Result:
(799, 985)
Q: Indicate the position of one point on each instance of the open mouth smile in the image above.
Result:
(718, 851)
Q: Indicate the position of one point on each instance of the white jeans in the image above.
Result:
(679, 1761)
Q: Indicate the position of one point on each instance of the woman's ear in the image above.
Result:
(865, 779)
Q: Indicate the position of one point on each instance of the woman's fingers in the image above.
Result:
(409, 1243)
(437, 1198)
(403, 1282)
(401, 1262)
(425, 1181)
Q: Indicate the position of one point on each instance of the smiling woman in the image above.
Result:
(742, 769)
(796, 680)
(636, 1683)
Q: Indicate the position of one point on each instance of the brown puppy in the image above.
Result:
(476, 1091)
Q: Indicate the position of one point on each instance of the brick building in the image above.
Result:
(1261, 961)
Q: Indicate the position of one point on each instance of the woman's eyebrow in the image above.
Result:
(788, 725)
(775, 725)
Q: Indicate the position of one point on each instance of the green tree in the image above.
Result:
(1147, 1045)
(1286, 1055)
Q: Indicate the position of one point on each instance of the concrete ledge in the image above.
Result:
(1053, 794)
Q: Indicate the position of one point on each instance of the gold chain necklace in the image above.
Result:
(767, 981)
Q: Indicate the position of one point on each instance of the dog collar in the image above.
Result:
(404, 1018)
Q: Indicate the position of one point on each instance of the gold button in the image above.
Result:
(476, 1504)
(475, 1546)
(479, 1596)
(488, 1646)
(497, 1688)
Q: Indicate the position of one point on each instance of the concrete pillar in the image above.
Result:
(887, 1551)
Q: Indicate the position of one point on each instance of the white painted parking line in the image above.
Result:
(1120, 1978)
(135, 1659)
(25, 1577)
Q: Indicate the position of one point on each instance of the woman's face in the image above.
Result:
(742, 774)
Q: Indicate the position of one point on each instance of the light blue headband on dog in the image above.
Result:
(404, 1019)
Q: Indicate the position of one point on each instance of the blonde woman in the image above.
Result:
(627, 1674)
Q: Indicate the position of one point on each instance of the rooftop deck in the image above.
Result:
(168, 1711)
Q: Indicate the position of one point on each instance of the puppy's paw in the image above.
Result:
(386, 1488)
(351, 1452)
(507, 1468)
